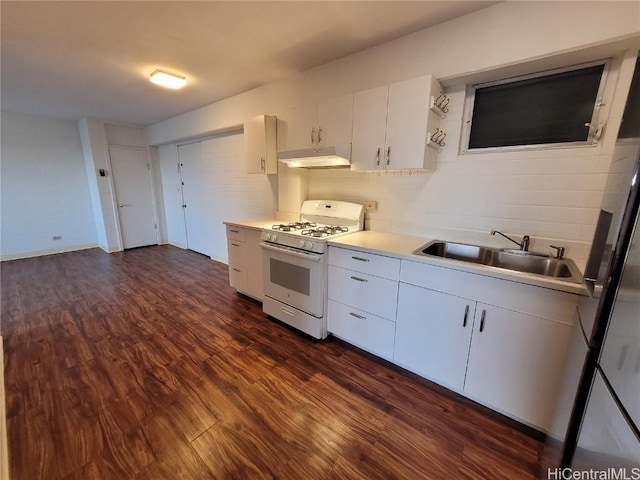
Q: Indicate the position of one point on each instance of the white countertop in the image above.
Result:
(253, 223)
(403, 246)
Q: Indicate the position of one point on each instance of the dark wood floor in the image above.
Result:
(147, 365)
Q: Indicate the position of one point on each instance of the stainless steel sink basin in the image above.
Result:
(515, 260)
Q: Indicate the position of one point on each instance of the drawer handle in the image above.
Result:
(234, 231)
(466, 315)
(235, 244)
(358, 279)
(484, 313)
(360, 317)
(360, 259)
(236, 270)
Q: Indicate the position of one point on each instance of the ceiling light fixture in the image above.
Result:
(168, 80)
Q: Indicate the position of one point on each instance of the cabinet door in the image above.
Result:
(433, 331)
(407, 123)
(297, 127)
(259, 144)
(516, 363)
(369, 126)
(335, 120)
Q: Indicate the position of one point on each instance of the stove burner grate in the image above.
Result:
(288, 227)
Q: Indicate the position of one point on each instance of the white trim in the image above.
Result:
(40, 253)
(4, 445)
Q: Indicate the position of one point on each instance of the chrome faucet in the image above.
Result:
(524, 245)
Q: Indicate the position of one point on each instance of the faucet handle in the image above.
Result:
(559, 253)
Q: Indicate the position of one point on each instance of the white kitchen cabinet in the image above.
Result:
(369, 128)
(245, 261)
(318, 124)
(433, 333)
(260, 137)
(510, 354)
(391, 126)
(363, 299)
(515, 363)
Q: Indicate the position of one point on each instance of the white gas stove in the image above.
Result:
(295, 266)
(319, 220)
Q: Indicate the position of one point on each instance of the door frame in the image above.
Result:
(116, 210)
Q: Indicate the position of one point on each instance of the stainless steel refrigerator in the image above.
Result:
(597, 423)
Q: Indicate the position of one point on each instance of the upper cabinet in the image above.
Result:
(312, 125)
(392, 126)
(260, 144)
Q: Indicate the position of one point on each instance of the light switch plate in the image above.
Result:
(370, 205)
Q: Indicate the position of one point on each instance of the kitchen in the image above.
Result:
(477, 192)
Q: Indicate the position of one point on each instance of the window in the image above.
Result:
(541, 109)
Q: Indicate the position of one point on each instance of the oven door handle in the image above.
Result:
(290, 251)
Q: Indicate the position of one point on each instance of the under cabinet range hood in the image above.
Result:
(338, 156)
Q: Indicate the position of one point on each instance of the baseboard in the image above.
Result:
(39, 253)
(4, 448)
(176, 244)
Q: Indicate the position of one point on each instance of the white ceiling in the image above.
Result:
(75, 59)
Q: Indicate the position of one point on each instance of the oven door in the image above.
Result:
(294, 277)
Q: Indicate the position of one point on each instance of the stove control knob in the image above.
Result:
(302, 243)
(310, 246)
(274, 237)
(267, 236)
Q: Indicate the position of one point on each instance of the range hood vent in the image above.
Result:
(321, 157)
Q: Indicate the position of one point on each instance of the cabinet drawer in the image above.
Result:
(369, 332)
(236, 250)
(237, 278)
(378, 265)
(369, 293)
(236, 233)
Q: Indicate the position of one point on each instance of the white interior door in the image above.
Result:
(196, 175)
(134, 195)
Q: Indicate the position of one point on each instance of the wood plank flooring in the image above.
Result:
(147, 365)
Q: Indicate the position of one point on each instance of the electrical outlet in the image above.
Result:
(57, 237)
(370, 205)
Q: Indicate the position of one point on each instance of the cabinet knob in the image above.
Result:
(262, 163)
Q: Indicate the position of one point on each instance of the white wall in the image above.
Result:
(548, 194)
(43, 191)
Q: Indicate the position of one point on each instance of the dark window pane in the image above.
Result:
(631, 118)
(549, 109)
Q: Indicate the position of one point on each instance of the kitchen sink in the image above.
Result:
(515, 260)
